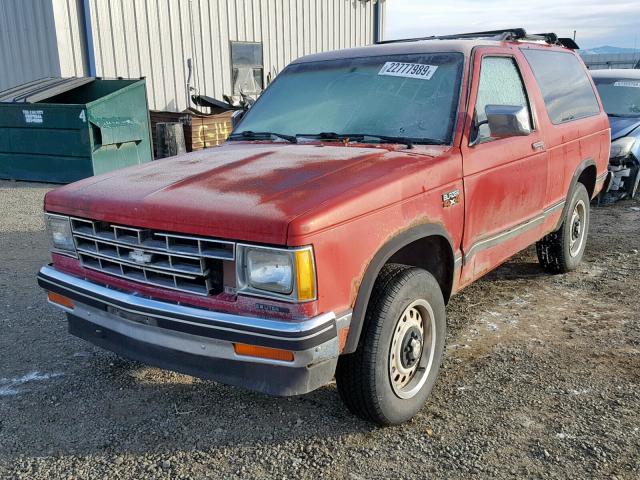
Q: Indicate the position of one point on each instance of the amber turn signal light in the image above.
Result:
(60, 300)
(306, 275)
(263, 352)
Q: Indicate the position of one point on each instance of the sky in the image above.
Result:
(597, 22)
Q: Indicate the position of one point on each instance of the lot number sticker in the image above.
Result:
(408, 70)
(629, 83)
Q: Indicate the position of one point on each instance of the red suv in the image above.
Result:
(325, 237)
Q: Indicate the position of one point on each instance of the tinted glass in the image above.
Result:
(567, 91)
(412, 96)
(500, 84)
(620, 96)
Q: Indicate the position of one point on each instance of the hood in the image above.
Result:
(241, 191)
(623, 126)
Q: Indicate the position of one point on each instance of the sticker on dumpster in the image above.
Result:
(627, 84)
(32, 116)
(408, 70)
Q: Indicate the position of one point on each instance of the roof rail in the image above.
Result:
(504, 35)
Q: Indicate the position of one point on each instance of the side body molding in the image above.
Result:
(380, 258)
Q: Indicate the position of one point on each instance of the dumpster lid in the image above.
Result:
(42, 89)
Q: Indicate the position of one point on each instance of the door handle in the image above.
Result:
(538, 145)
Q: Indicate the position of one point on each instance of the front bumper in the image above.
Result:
(200, 342)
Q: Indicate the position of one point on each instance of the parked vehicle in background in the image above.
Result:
(362, 190)
(620, 94)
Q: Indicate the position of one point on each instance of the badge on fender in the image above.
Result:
(450, 199)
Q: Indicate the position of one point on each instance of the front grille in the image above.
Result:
(179, 262)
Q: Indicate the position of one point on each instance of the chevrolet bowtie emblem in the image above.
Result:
(140, 256)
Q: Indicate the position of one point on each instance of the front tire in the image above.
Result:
(388, 378)
(562, 250)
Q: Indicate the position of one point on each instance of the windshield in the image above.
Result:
(620, 96)
(402, 96)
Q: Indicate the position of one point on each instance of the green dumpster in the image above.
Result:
(60, 130)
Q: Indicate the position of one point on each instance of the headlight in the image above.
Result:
(275, 272)
(621, 147)
(272, 271)
(59, 228)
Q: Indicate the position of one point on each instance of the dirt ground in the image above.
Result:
(541, 380)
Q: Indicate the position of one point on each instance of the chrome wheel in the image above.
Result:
(578, 228)
(412, 349)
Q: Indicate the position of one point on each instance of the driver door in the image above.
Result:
(505, 180)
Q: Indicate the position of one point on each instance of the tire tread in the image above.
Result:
(552, 249)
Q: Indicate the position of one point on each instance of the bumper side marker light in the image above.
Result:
(263, 352)
(60, 300)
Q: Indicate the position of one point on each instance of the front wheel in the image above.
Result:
(562, 250)
(389, 377)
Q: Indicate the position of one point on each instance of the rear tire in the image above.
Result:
(388, 378)
(562, 250)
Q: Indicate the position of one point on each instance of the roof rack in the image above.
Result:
(510, 34)
(553, 39)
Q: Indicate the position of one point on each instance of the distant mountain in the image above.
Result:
(607, 50)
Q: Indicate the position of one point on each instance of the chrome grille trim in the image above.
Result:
(146, 238)
(83, 242)
(177, 262)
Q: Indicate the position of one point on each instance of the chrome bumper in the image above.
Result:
(198, 341)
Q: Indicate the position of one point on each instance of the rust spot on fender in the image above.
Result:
(343, 334)
(355, 287)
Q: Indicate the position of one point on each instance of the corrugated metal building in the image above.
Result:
(232, 45)
(602, 61)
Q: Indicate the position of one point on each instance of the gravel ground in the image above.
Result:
(541, 379)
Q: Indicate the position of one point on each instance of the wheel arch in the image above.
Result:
(585, 173)
(405, 248)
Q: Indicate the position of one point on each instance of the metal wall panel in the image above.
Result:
(39, 38)
(154, 38)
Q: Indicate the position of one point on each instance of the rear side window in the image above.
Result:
(567, 91)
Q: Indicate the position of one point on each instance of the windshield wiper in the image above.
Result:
(325, 136)
(356, 137)
(409, 142)
(251, 135)
(359, 137)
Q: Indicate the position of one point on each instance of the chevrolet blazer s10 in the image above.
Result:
(323, 240)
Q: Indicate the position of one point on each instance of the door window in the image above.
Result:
(500, 84)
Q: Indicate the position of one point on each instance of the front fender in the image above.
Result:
(378, 261)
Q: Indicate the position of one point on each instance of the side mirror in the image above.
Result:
(508, 121)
